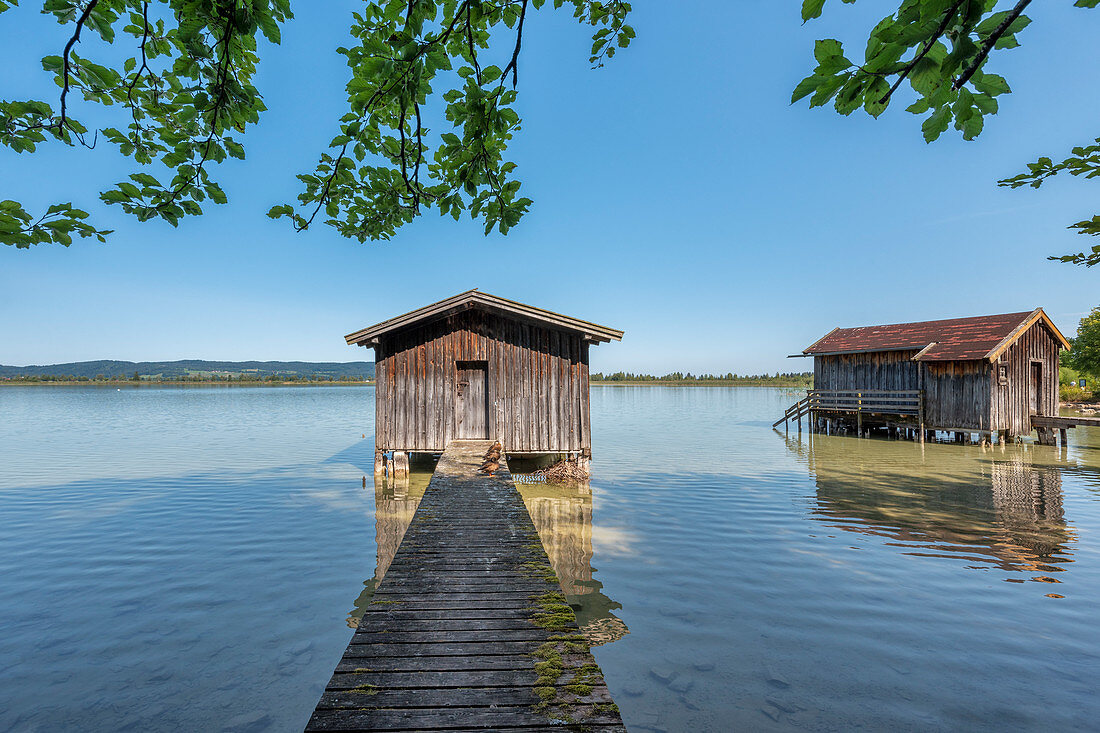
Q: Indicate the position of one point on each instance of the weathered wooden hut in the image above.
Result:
(482, 367)
(987, 375)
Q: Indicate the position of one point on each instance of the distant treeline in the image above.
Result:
(779, 379)
(192, 370)
(192, 378)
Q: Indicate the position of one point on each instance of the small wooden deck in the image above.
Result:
(1046, 425)
(1061, 423)
(468, 630)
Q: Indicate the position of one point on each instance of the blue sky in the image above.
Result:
(678, 196)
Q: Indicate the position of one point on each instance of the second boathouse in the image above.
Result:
(987, 374)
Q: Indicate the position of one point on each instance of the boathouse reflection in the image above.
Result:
(991, 508)
(562, 514)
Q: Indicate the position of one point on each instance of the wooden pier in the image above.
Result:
(468, 630)
(1046, 425)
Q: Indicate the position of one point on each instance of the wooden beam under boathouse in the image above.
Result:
(469, 629)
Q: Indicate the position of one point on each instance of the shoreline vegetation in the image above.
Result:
(184, 381)
(624, 379)
(1070, 393)
(802, 380)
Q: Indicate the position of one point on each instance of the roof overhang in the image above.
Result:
(1036, 316)
(471, 299)
(860, 351)
(928, 352)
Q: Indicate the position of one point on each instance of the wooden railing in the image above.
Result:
(907, 402)
(867, 401)
(795, 411)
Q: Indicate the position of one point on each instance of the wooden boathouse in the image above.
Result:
(994, 376)
(477, 367)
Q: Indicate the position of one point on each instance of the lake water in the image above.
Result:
(192, 558)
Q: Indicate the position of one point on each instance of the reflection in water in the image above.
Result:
(395, 502)
(561, 514)
(1003, 510)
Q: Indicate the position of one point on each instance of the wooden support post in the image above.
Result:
(379, 463)
(920, 414)
(400, 464)
(1063, 432)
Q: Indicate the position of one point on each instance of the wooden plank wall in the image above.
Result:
(1010, 402)
(875, 370)
(956, 395)
(538, 384)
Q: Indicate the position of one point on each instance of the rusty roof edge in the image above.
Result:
(874, 350)
(1032, 318)
(806, 350)
(594, 331)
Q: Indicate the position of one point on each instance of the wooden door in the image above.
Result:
(472, 400)
(1035, 389)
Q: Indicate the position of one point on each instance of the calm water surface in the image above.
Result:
(192, 558)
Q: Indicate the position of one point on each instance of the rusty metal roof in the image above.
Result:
(953, 339)
(593, 332)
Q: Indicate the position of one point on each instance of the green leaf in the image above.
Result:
(811, 9)
(936, 123)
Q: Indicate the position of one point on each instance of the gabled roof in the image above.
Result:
(953, 339)
(493, 303)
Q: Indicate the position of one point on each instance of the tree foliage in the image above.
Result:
(1085, 354)
(187, 95)
(941, 49)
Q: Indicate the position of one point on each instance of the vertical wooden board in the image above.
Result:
(395, 383)
(426, 406)
(544, 390)
(539, 374)
(516, 375)
(543, 421)
(418, 408)
(555, 392)
(448, 387)
(433, 438)
(580, 389)
(395, 393)
(395, 389)
(381, 396)
(508, 386)
(568, 392)
(498, 384)
(530, 390)
(586, 421)
(519, 372)
(402, 427)
(519, 375)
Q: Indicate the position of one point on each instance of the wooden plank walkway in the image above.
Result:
(1061, 423)
(468, 630)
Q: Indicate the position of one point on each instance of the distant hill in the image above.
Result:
(193, 368)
